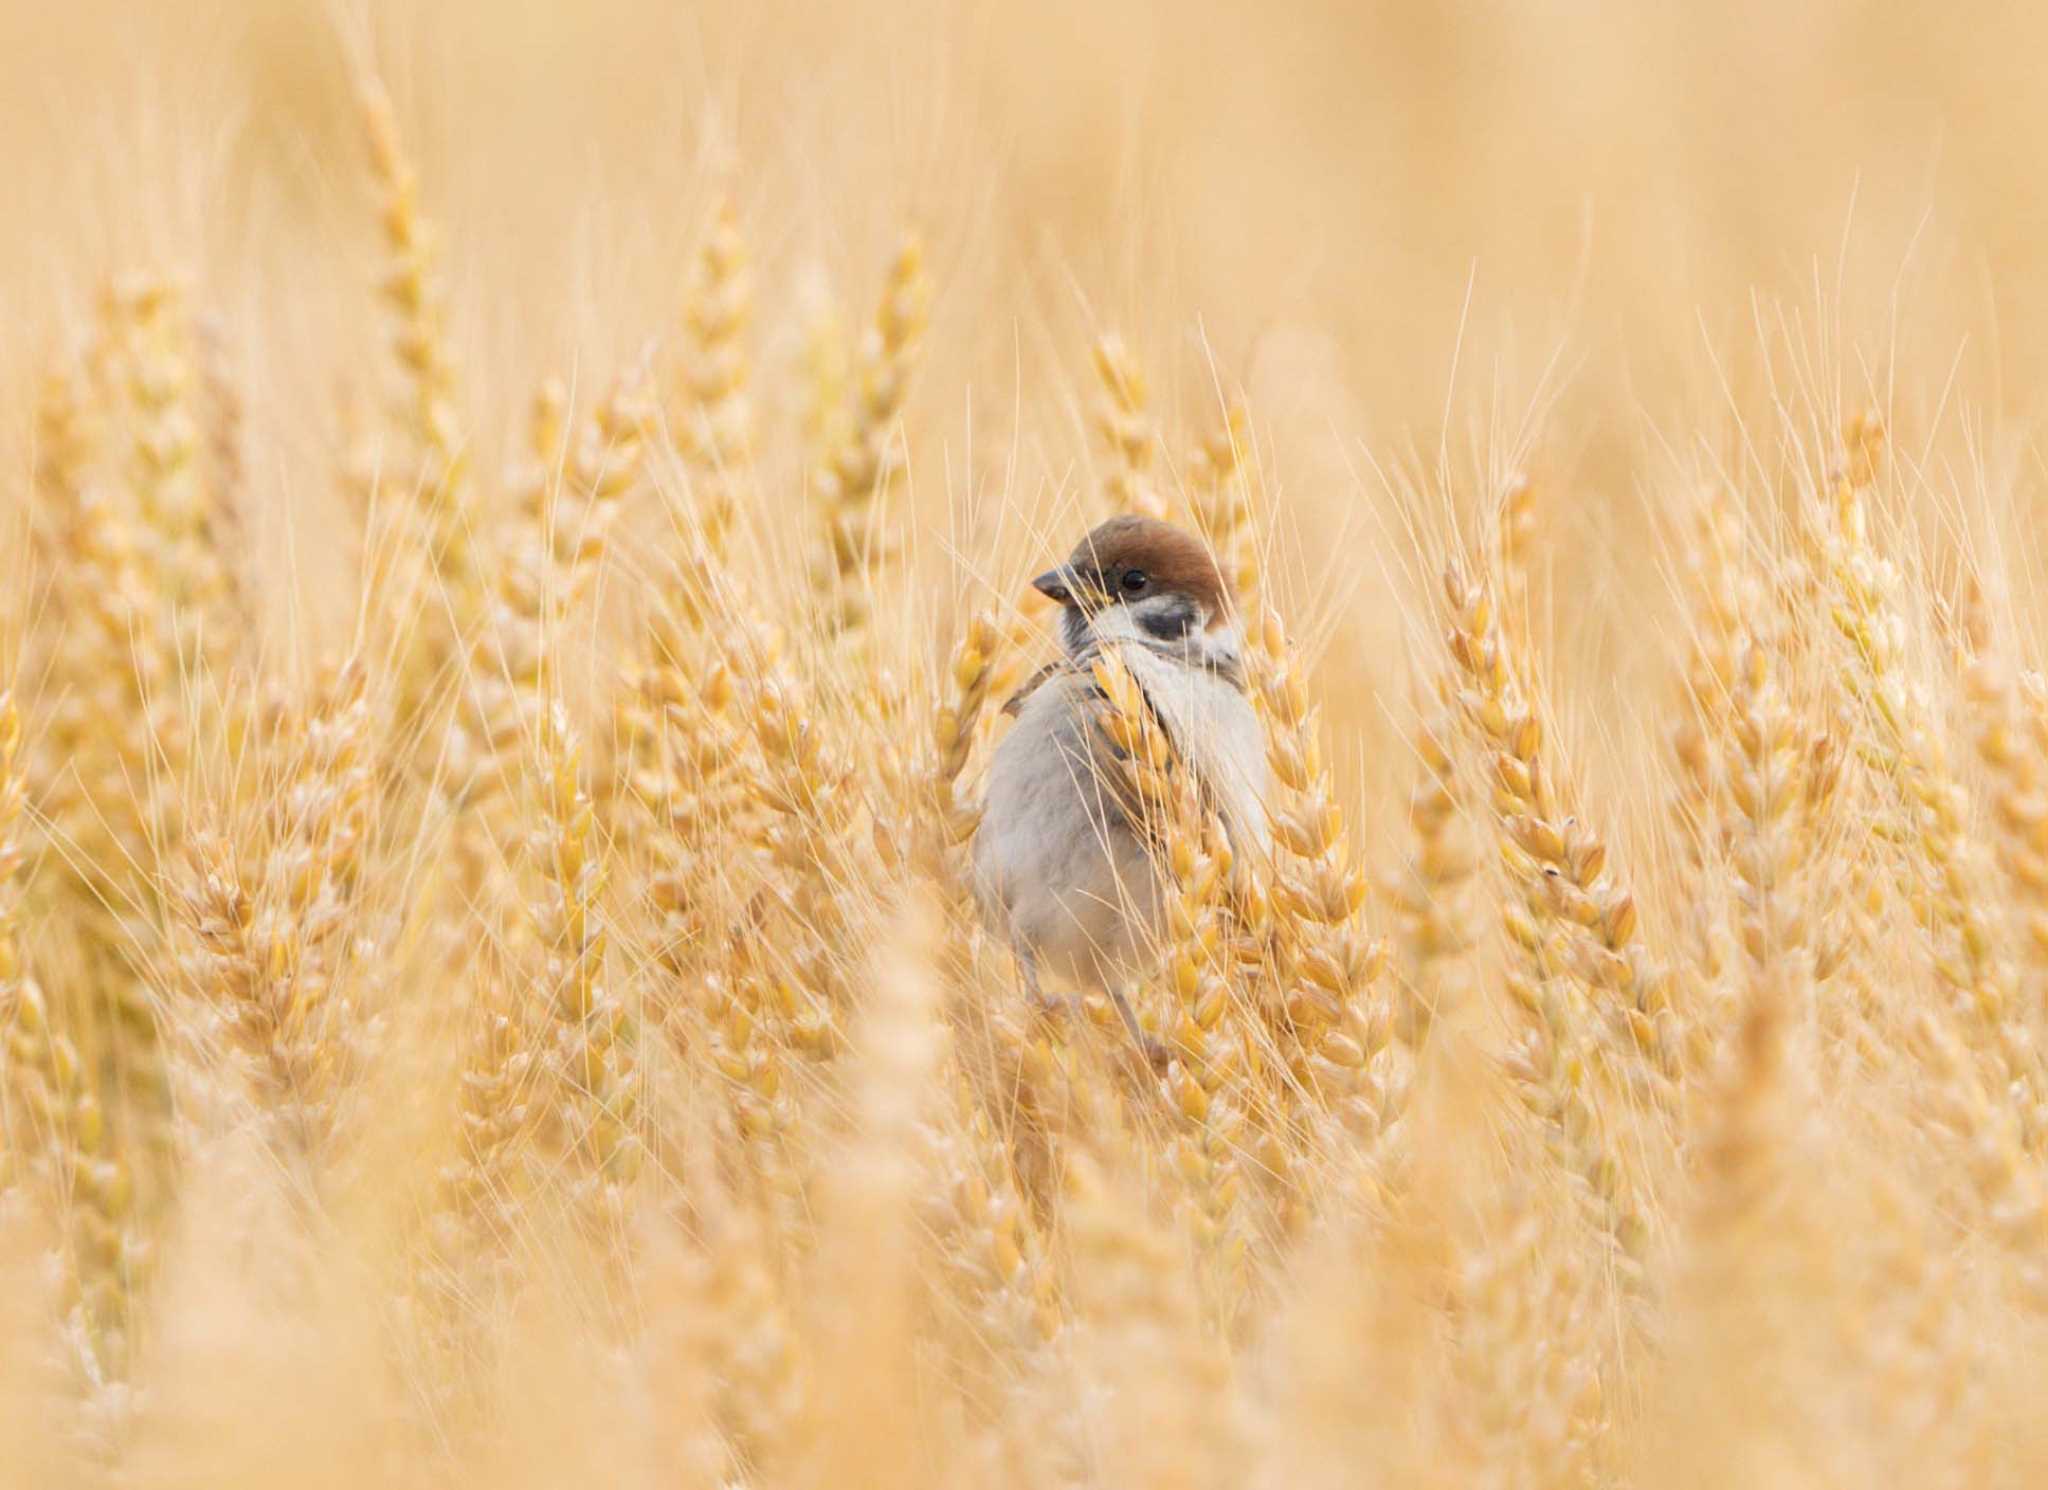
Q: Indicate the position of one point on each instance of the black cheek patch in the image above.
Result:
(1169, 624)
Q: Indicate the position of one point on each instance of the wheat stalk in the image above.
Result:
(715, 415)
(1968, 957)
(1125, 427)
(264, 914)
(55, 1129)
(866, 463)
(1211, 1077)
(1564, 897)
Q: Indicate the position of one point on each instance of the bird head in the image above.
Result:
(1141, 580)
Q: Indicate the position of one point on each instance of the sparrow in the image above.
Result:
(1063, 866)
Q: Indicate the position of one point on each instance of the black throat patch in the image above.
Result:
(1170, 622)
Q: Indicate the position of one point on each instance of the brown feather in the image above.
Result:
(1174, 558)
(1014, 704)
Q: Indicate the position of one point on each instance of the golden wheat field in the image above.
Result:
(516, 541)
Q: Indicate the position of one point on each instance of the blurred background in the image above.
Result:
(1648, 253)
(1608, 166)
(1386, 224)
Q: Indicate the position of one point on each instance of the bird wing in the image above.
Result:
(1014, 704)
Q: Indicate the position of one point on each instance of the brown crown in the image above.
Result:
(1175, 560)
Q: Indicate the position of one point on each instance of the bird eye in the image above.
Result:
(1134, 581)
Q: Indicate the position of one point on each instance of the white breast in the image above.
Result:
(1055, 865)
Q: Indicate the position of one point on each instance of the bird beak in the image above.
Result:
(1055, 585)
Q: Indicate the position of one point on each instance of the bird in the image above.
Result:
(1063, 866)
